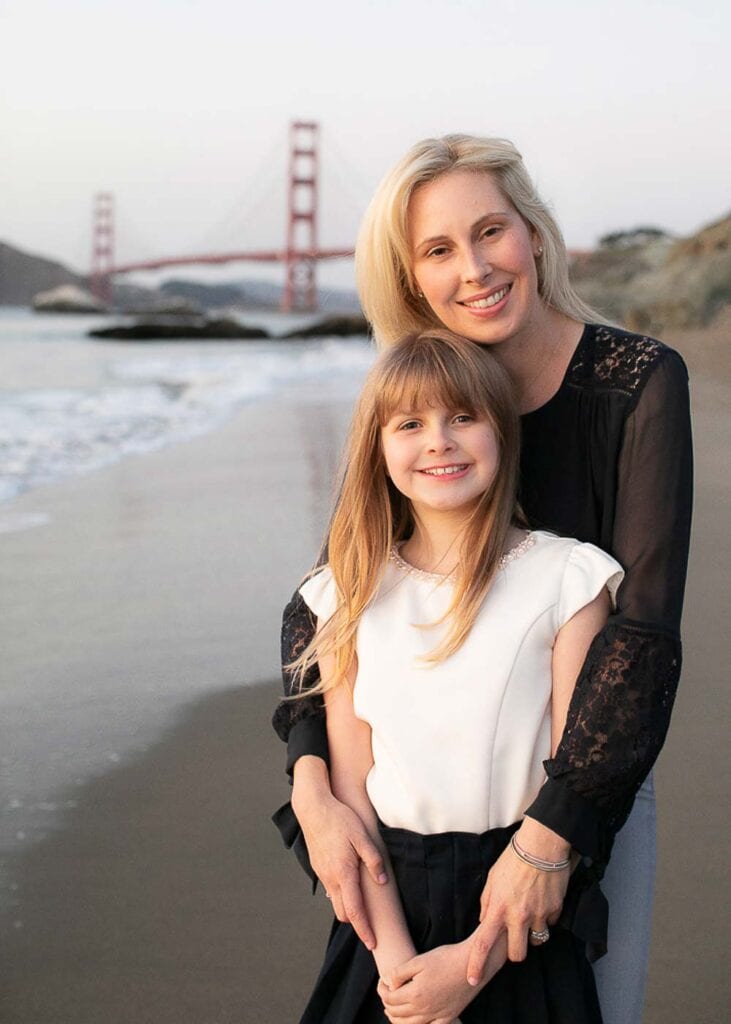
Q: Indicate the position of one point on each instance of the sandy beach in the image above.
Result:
(158, 893)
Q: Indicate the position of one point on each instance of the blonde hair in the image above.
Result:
(371, 515)
(386, 284)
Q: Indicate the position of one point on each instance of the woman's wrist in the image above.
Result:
(541, 842)
(310, 784)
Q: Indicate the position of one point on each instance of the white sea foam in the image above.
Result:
(153, 398)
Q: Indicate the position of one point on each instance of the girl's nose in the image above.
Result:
(440, 440)
(475, 267)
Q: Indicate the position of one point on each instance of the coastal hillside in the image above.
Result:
(653, 283)
(23, 275)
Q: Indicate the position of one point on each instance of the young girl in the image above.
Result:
(448, 639)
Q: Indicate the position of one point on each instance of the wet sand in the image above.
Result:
(163, 895)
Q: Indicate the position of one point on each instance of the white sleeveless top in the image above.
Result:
(460, 745)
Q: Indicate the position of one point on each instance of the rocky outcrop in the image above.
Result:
(67, 298)
(333, 327)
(167, 305)
(174, 330)
(661, 283)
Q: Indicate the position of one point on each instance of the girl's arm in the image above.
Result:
(518, 897)
(332, 841)
(351, 759)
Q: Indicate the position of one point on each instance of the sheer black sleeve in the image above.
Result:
(299, 723)
(620, 711)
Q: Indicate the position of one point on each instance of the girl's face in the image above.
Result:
(473, 257)
(441, 459)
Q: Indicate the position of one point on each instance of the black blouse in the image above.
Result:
(608, 459)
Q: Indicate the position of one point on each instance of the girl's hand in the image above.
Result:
(430, 988)
(518, 897)
(337, 842)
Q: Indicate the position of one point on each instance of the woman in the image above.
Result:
(457, 236)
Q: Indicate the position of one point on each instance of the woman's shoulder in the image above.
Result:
(614, 359)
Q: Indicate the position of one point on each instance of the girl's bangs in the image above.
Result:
(424, 376)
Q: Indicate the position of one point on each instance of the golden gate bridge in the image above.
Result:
(299, 255)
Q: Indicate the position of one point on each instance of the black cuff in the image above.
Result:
(572, 816)
(307, 736)
(291, 833)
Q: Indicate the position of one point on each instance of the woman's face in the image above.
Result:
(474, 257)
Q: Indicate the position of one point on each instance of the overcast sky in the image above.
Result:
(180, 107)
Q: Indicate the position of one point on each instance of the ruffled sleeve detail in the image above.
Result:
(585, 912)
(320, 593)
(588, 570)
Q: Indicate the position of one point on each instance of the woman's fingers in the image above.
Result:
(538, 933)
(335, 837)
(353, 907)
(368, 853)
(482, 942)
(517, 939)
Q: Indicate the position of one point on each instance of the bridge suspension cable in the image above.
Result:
(300, 253)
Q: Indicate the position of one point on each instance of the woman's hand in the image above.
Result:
(430, 988)
(337, 842)
(518, 897)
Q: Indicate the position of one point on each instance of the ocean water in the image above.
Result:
(70, 404)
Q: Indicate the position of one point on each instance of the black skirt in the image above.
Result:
(440, 878)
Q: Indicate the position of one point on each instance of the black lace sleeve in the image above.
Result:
(620, 710)
(299, 723)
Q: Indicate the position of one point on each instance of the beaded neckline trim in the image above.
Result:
(509, 556)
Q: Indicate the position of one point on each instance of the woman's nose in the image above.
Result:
(475, 267)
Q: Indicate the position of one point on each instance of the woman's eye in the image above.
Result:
(490, 232)
(438, 250)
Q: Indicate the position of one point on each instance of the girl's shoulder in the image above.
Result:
(614, 359)
(320, 592)
(579, 571)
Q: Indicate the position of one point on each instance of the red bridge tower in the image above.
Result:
(102, 247)
(300, 290)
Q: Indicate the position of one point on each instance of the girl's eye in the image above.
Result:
(409, 425)
(464, 417)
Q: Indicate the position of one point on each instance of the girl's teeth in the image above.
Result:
(445, 471)
(491, 300)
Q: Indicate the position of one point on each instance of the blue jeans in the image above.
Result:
(629, 885)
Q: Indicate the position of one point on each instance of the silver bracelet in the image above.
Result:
(538, 862)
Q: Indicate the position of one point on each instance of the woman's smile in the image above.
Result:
(493, 301)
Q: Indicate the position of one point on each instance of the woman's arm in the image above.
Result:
(518, 897)
(620, 710)
(351, 758)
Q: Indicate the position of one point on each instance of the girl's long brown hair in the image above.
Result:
(371, 515)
